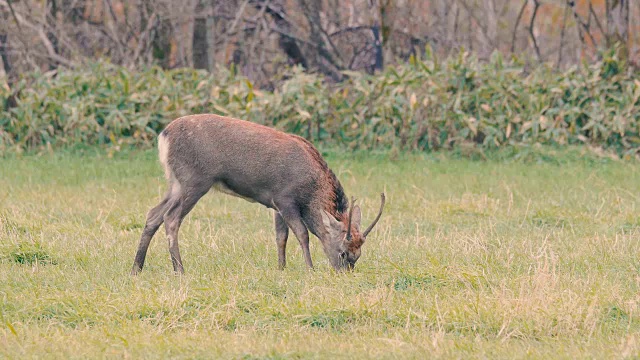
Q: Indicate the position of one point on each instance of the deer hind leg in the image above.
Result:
(152, 224)
(282, 233)
(177, 211)
(291, 216)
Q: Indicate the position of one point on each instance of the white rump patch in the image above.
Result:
(163, 154)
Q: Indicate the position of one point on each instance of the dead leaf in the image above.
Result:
(543, 122)
(304, 114)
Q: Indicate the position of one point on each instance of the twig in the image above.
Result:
(333, 46)
(111, 27)
(260, 23)
(239, 14)
(482, 26)
(131, 31)
(317, 34)
(13, 13)
(582, 25)
(536, 6)
(515, 28)
(237, 17)
(152, 23)
(42, 35)
(293, 37)
(24, 45)
(282, 23)
(595, 17)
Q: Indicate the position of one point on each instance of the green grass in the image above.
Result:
(525, 258)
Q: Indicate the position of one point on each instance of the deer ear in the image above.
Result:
(330, 223)
(357, 216)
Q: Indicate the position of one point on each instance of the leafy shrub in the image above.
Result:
(423, 105)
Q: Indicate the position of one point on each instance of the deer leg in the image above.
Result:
(172, 222)
(173, 219)
(282, 233)
(154, 220)
(291, 216)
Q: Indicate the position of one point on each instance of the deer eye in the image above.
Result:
(343, 255)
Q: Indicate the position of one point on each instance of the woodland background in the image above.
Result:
(260, 36)
(419, 74)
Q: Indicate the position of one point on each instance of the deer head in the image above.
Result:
(344, 236)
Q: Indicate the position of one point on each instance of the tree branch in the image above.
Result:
(151, 24)
(536, 6)
(515, 28)
(41, 34)
(582, 26)
(595, 17)
(475, 18)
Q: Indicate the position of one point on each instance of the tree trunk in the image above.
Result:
(184, 35)
(492, 25)
(52, 17)
(211, 36)
(200, 52)
(6, 69)
(204, 36)
(6, 65)
(377, 38)
(378, 29)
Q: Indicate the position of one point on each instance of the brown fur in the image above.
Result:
(336, 202)
(330, 191)
(278, 170)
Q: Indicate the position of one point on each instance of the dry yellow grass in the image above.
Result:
(470, 260)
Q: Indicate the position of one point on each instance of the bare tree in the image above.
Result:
(327, 36)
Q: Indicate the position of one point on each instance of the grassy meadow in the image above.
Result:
(535, 257)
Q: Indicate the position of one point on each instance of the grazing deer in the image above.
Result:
(281, 171)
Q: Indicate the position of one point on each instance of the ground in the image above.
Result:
(523, 257)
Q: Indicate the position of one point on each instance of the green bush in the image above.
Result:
(423, 105)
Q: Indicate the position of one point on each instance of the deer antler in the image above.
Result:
(353, 203)
(366, 232)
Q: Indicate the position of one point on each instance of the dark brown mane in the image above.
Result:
(340, 202)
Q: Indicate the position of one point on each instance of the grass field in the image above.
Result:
(498, 259)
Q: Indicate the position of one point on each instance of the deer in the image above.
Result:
(260, 164)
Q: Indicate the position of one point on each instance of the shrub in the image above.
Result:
(423, 105)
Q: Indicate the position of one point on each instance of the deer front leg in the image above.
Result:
(282, 233)
(292, 218)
